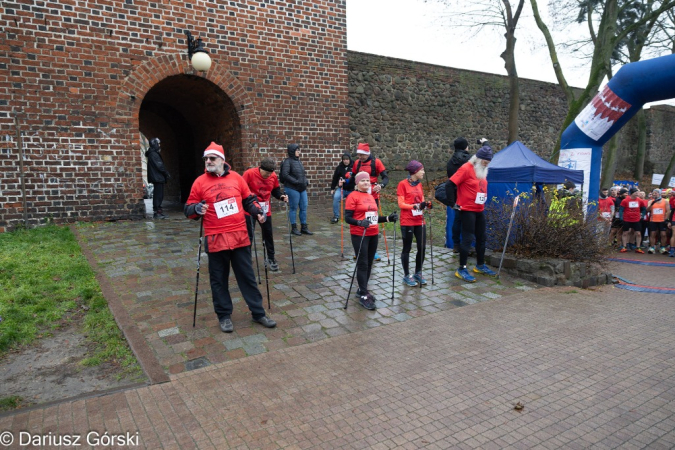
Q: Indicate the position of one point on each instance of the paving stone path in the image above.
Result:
(150, 267)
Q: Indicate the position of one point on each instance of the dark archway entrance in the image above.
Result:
(187, 112)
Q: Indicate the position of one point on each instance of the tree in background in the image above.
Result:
(606, 37)
(496, 14)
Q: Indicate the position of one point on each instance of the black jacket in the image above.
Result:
(340, 172)
(293, 173)
(157, 173)
(457, 161)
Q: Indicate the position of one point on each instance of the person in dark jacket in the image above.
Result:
(458, 159)
(344, 190)
(294, 178)
(158, 176)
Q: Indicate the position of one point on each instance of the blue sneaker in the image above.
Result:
(420, 279)
(485, 270)
(464, 274)
(377, 257)
(409, 281)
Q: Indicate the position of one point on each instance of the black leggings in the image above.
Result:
(473, 227)
(364, 264)
(420, 234)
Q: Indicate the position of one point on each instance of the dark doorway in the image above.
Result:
(187, 112)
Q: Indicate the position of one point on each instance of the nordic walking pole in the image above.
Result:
(290, 236)
(342, 227)
(355, 266)
(267, 283)
(384, 233)
(199, 260)
(393, 266)
(513, 213)
(255, 249)
(431, 230)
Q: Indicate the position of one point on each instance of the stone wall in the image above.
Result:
(407, 110)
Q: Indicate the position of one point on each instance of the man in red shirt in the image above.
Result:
(220, 197)
(467, 191)
(631, 211)
(605, 210)
(264, 184)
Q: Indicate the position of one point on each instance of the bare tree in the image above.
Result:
(605, 39)
(497, 14)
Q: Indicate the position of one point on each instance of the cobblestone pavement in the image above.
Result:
(590, 368)
(150, 267)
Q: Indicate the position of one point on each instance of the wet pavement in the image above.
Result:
(515, 367)
(151, 268)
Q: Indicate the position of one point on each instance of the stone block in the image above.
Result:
(545, 281)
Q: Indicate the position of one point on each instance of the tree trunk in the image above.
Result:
(609, 163)
(642, 146)
(514, 86)
(670, 171)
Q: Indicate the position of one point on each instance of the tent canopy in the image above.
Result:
(518, 164)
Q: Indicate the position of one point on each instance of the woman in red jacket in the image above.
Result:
(411, 201)
(361, 215)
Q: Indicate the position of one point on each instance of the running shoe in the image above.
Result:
(465, 275)
(485, 270)
(409, 281)
(420, 278)
(639, 250)
(623, 250)
(377, 257)
(651, 250)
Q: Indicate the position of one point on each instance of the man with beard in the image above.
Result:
(459, 158)
(467, 188)
(220, 196)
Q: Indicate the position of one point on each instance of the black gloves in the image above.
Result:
(200, 208)
(363, 223)
(430, 205)
(393, 217)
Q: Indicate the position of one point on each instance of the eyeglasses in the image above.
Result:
(210, 158)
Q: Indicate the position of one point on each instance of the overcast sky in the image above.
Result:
(415, 30)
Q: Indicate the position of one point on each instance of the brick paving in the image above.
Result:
(150, 266)
(593, 369)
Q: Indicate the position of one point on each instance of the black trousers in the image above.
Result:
(419, 232)
(157, 197)
(473, 227)
(364, 264)
(219, 272)
(268, 238)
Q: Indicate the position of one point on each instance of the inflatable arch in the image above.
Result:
(633, 85)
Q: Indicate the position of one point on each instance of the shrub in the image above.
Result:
(541, 230)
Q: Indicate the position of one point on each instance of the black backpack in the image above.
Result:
(439, 194)
(281, 171)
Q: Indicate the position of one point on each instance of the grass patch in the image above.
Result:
(45, 282)
(10, 403)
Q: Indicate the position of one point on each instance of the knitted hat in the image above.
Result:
(363, 149)
(632, 191)
(485, 153)
(215, 149)
(623, 191)
(268, 164)
(413, 167)
(461, 143)
(362, 176)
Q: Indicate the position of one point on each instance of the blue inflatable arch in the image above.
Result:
(633, 85)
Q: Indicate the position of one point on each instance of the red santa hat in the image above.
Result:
(215, 149)
(363, 149)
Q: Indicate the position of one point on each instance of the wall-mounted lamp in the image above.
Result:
(201, 61)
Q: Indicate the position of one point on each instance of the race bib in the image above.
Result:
(606, 215)
(265, 207)
(226, 207)
(633, 204)
(372, 217)
(657, 211)
(417, 212)
(480, 198)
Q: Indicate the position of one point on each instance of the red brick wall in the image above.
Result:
(77, 72)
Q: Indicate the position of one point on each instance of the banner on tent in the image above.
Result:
(577, 159)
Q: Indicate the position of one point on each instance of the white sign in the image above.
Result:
(578, 159)
(657, 178)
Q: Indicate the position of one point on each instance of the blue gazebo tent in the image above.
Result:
(516, 169)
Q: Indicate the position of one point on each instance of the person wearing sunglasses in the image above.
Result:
(220, 197)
